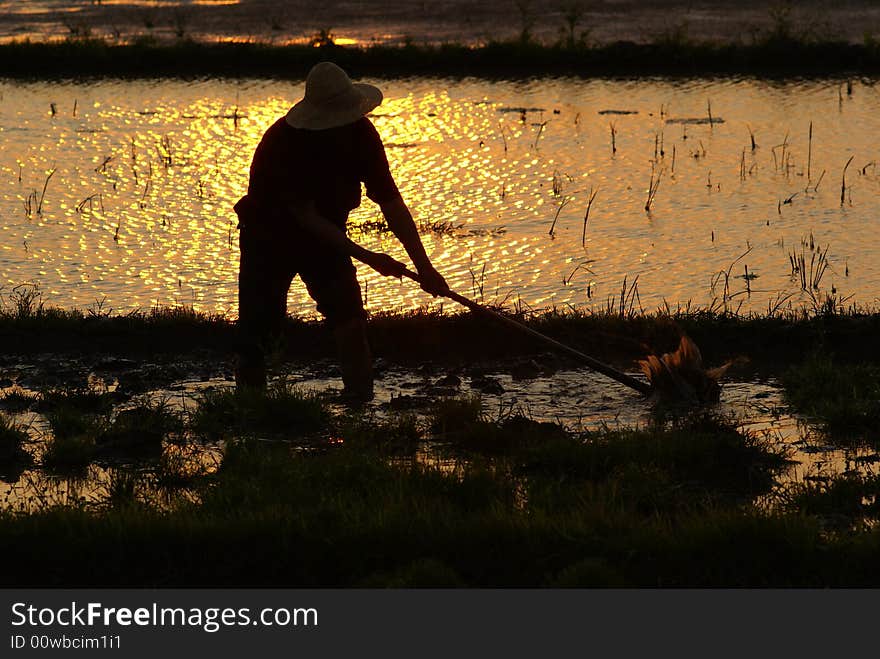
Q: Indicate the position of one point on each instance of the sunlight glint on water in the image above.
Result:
(138, 211)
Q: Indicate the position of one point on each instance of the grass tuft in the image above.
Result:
(13, 438)
(845, 398)
(281, 410)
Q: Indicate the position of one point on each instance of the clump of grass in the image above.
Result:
(122, 487)
(507, 436)
(72, 445)
(590, 572)
(281, 410)
(702, 458)
(661, 506)
(456, 414)
(140, 429)
(850, 499)
(421, 573)
(68, 421)
(83, 399)
(69, 453)
(12, 440)
(16, 401)
(182, 465)
(398, 434)
(845, 398)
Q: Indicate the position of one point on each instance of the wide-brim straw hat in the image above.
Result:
(332, 99)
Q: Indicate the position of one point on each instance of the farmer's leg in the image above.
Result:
(355, 358)
(263, 281)
(333, 285)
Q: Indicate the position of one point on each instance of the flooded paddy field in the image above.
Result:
(747, 194)
(543, 389)
(570, 473)
(725, 199)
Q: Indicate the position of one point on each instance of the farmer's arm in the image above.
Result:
(311, 221)
(400, 221)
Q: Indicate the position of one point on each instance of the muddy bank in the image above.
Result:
(465, 21)
(412, 339)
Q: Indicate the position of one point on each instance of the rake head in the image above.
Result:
(681, 377)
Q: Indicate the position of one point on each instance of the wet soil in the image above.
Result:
(460, 21)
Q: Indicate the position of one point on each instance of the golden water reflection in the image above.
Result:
(137, 211)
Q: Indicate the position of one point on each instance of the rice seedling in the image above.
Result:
(477, 282)
(779, 162)
(165, 150)
(89, 201)
(27, 301)
(724, 276)
(562, 204)
(613, 138)
(816, 186)
(33, 203)
(623, 306)
(809, 275)
(809, 153)
(583, 265)
(843, 181)
(653, 187)
(541, 127)
(587, 216)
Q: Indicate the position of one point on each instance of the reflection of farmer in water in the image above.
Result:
(305, 178)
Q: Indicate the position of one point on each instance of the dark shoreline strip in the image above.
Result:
(151, 59)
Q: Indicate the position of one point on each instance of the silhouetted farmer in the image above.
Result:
(305, 177)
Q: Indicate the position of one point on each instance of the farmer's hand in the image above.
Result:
(432, 281)
(384, 264)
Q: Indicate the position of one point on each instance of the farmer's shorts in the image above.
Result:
(270, 261)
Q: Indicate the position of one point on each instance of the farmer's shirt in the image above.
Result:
(327, 167)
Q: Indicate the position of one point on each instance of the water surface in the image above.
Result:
(138, 209)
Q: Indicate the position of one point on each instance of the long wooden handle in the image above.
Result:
(596, 365)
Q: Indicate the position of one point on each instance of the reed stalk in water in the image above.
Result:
(587, 216)
(843, 181)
